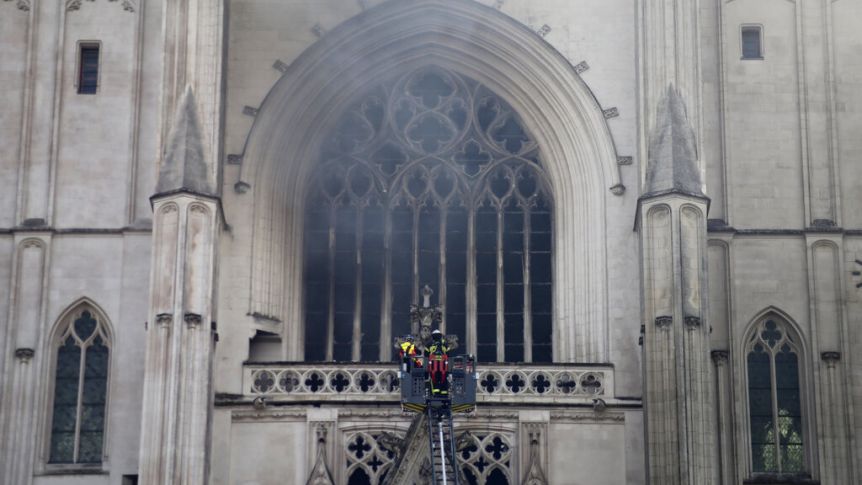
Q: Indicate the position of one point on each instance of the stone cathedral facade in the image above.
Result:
(643, 217)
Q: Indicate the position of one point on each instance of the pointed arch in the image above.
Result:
(79, 348)
(777, 382)
(478, 42)
(77, 305)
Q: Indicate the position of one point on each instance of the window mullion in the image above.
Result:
(386, 304)
(501, 316)
(441, 285)
(773, 384)
(417, 208)
(330, 318)
(357, 293)
(528, 302)
(80, 404)
(470, 286)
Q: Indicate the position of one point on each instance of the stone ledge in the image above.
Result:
(770, 479)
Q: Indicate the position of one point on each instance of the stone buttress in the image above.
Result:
(180, 341)
(672, 226)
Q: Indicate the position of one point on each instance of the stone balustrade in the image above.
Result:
(497, 383)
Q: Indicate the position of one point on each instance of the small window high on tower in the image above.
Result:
(88, 68)
(752, 42)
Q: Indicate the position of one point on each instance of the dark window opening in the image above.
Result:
(88, 70)
(429, 179)
(774, 401)
(752, 43)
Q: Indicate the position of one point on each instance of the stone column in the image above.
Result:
(836, 462)
(180, 341)
(678, 391)
(724, 424)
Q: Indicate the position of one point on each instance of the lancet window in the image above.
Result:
(430, 179)
(80, 390)
(774, 401)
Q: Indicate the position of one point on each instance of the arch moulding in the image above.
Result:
(554, 103)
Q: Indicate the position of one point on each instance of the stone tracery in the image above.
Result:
(418, 176)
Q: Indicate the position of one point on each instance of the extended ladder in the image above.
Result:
(441, 435)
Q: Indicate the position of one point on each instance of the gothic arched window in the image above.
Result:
(774, 401)
(80, 389)
(429, 179)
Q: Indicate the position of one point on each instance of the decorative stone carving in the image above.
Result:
(831, 358)
(164, 319)
(391, 443)
(249, 111)
(320, 474)
(719, 357)
(241, 187)
(23, 5)
(318, 31)
(618, 189)
(857, 273)
(582, 67)
(423, 318)
(625, 160)
(497, 383)
(544, 30)
(535, 474)
(269, 415)
(24, 355)
(192, 319)
(691, 322)
(611, 113)
(74, 5)
(663, 321)
(280, 66)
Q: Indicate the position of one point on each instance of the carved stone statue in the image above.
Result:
(423, 320)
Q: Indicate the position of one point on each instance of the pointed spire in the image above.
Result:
(184, 166)
(672, 165)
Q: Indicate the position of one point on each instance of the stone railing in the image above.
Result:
(552, 383)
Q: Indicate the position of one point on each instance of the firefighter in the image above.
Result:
(408, 352)
(438, 364)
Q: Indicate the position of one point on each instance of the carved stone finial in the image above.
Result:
(426, 296)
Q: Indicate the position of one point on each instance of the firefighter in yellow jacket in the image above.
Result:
(408, 353)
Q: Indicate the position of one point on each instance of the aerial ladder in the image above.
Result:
(416, 396)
